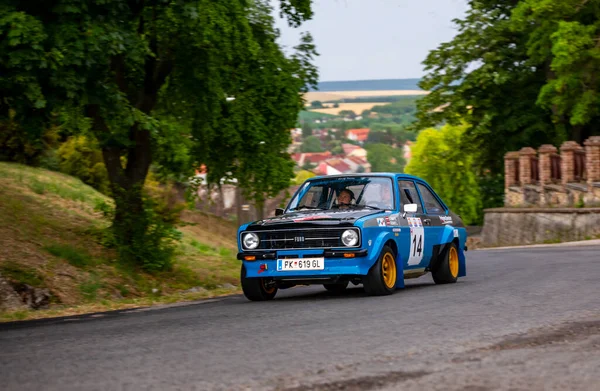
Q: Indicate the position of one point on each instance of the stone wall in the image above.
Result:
(548, 178)
(519, 226)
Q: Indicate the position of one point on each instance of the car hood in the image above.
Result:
(304, 218)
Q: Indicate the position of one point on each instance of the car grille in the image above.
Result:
(302, 238)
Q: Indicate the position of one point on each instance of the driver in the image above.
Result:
(345, 198)
(386, 196)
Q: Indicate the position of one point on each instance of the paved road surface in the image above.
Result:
(523, 319)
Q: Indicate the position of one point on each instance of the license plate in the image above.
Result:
(300, 264)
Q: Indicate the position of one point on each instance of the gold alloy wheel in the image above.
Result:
(268, 290)
(388, 268)
(453, 262)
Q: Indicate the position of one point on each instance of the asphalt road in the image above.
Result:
(522, 319)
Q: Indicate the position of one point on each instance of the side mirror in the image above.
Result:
(278, 212)
(409, 208)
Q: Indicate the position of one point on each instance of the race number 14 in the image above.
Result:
(417, 239)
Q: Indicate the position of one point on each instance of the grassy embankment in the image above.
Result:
(51, 237)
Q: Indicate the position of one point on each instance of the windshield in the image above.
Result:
(344, 193)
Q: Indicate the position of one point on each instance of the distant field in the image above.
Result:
(356, 107)
(369, 85)
(339, 95)
(312, 115)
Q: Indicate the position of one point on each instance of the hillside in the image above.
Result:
(51, 238)
(369, 85)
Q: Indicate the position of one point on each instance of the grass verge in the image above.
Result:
(51, 237)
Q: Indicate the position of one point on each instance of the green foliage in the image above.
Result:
(306, 130)
(150, 239)
(75, 256)
(20, 146)
(311, 116)
(308, 166)
(302, 176)
(81, 157)
(21, 274)
(400, 106)
(385, 158)
(446, 161)
(150, 81)
(522, 73)
(311, 144)
(390, 134)
(347, 114)
(89, 289)
(316, 104)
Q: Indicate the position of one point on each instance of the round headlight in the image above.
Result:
(349, 238)
(250, 241)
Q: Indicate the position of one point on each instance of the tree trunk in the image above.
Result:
(130, 221)
(260, 210)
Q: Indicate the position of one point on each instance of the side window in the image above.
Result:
(432, 206)
(409, 195)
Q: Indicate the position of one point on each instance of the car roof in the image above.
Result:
(375, 174)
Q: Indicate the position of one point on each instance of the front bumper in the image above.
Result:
(337, 263)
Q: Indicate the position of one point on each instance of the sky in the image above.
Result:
(375, 39)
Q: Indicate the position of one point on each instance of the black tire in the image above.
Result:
(381, 280)
(255, 289)
(447, 270)
(336, 288)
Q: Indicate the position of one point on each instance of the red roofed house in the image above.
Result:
(355, 162)
(360, 135)
(333, 166)
(349, 148)
(310, 157)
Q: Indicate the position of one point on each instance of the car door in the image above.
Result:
(433, 213)
(414, 247)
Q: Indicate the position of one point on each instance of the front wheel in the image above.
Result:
(257, 289)
(381, 279)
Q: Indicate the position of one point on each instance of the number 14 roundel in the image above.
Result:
(417, 241)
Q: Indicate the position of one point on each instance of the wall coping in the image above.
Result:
(543, 210)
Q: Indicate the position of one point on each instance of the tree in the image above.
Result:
(316, 104)
(385, 158)
(306, 130)
(347, 113)
(311, 144)
(150, 78)
(302, 176)
(446, 161)
(522, 73)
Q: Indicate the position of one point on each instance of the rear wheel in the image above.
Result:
(447, 271)
(257, 289)
(336, 288)
(381, 279)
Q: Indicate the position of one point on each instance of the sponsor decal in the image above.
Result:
(456, 233)
(397, 230)
(415, 222)
(307, 218)
(394, 220)
(381, 222)
(446, 219)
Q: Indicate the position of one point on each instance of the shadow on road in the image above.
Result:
(302, 293)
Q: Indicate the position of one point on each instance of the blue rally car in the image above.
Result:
(377, 229)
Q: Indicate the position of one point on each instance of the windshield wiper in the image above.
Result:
(305, 207)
